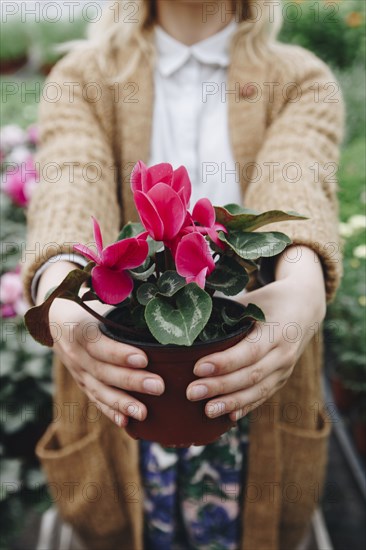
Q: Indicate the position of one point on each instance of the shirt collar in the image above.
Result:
(172, 54)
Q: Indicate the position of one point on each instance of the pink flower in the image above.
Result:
(193, 259)
(11, 294)
(20, 182)
(110, 279)
(11, 136)
(143, 179)
(33, 134)
(204, 214)
(161, 211)
(161, 197)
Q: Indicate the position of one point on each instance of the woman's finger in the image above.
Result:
(104, 349)
(117, 400)
(237, 380)
(127, 378)
(241, 402)
(247, 352)
(120, 419)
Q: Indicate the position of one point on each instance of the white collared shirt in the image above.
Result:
(190, 123)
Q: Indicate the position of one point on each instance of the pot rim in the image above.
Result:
(154, 345)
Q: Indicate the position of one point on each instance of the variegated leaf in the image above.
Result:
(170, 282)
(146, 292)
(251, 312)
(228, 277)
(180, 325)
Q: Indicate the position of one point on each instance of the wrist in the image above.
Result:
(301, 268)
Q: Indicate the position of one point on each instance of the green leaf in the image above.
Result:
(49, 292)
(237, 209)
(10, 476)
(131, 229)
(228, 277)
(252, 246)
(235, 217)
(211, 332)
(251, 312)
(36, 318)
(146, 292)
(89, 296)
(142, 275)
(181, 325)
(154, 246)
(170, 282)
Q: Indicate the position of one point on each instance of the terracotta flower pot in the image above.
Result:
(173, 420)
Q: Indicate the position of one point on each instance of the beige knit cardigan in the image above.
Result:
(286, 139)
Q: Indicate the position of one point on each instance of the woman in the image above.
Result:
(263, 109)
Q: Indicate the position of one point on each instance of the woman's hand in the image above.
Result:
(243, 377)
(102, 368)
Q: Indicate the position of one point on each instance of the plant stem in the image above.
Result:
(104, 320)
(168, 260)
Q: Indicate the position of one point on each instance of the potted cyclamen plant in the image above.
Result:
(160, 276)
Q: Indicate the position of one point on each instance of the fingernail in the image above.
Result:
(205, 369)
(118, 419)
(197, 392)
(238, 415)
(134, 411)
(136, 360)
(215, 409)
(153, 386)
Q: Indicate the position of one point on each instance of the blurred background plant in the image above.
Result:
(333, 30)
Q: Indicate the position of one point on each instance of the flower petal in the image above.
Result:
(111, 286)
(170, 207)
(138, 177)
(212, 233)
(97, 236)
(182, 184)
(204, 213)
(125, 254)
(192, 256)
(199, 279)
(149, 216)
(87, 252)
(159, 173)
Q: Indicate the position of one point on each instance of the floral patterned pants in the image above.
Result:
(193, 496)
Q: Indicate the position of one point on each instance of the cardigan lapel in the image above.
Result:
(246, 115)
(134, 116)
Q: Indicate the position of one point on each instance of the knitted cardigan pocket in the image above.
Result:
(82, 485)
(308, 448)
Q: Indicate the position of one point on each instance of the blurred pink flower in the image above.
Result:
(19, 182)
(33, 134)
(193, 259)
(11, 136)
(110, 278)
(11, 294)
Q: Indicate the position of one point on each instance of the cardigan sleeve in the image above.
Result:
(298, 162)
(75, 164)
